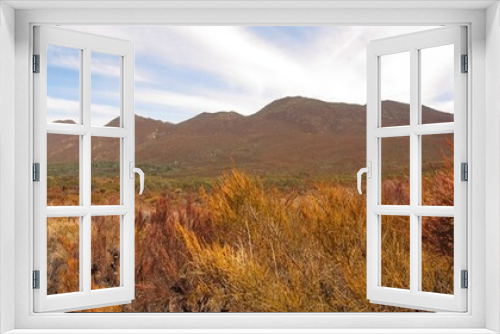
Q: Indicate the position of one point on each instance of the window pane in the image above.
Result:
(63, 259)
(105, 89)
(395, 168)
(437, 254)
(395, 89)
(63, 170)
(395, 263)
(437, 170)
(105, 252)
(105, 171)
(437, 81)
(63, 84)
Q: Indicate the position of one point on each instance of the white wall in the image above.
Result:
(477, 128)
(7, 157)
(492, 163)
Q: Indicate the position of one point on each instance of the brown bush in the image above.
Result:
(242, 247)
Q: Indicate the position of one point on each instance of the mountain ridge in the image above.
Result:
(291, 136)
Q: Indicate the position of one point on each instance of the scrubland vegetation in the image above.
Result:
(281, 229)
(238, 244)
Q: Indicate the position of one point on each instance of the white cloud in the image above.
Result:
(102, 114)
(69, 59)
(105, 67)
(199, 103)
(395, 77)
(446, 106)
(437, 79)
(331, 65)
(62, 109)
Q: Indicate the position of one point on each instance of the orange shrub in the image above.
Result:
(243, 247)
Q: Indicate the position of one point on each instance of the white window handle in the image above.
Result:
(368, 171)
(138, 171)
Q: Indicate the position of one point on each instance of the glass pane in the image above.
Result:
(63, 170)
(105, 89)
(437, 80)
(437, 170)
(63, 84)
(437, 254)
(63, 259)
(395, 89)
(395, 162)
(395, 265)
(105, 252)
(105, 171)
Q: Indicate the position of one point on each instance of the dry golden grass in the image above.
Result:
(62, 247)
(244, 247)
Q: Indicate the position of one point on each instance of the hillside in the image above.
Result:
(290, 136)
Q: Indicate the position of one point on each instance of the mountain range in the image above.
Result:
(290, 136)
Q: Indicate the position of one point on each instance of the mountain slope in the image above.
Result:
(289, 136)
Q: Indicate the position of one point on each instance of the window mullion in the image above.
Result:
(414, 171)
(86, 161)
(418, 166)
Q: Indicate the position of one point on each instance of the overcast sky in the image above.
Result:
(183, 71)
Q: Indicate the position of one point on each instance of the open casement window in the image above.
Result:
(414, 71)
(83, 231)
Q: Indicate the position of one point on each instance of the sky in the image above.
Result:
(181, 71)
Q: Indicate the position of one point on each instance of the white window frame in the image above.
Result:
(86, 44)
(412, 44)
(484, 307)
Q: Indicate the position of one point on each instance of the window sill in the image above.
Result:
(250, 331)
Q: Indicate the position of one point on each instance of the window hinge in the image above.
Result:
(464, 171)
(36, 63)
(36, 279)
(464, 279)
(465, 64)
(36, 172)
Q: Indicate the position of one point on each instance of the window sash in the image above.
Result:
(413, 298)
(86, 298)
